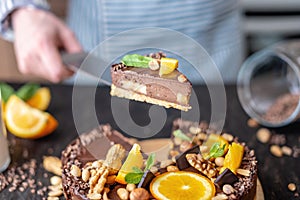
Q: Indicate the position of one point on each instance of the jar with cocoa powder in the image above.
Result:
(269, 84)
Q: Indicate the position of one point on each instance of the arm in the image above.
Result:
(38, 36)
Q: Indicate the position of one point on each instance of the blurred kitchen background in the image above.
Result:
(264, 23)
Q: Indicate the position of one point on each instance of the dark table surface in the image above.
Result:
(274, 173)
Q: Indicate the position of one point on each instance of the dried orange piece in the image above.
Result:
(211, 140)
(234, 157)
(134, 159)
(182, 185)
(40, 99)
(26, 122)
(167, 65)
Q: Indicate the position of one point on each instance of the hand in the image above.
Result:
(38, 37)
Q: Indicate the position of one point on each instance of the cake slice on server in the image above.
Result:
(152, 79)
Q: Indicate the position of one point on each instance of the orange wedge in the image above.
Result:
(167, 66)
(26, 122)
(41, 99)
(182, 185)
(134, 159)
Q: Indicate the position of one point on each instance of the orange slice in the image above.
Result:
(41, 99)
(167, 66)
(234, 157)
(27, 122)
(134, 159)
(182, 185)
(211, 140)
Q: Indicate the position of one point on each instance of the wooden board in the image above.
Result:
(162, 146)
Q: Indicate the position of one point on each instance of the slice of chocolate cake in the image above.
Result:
(229, 166)
(149, 84)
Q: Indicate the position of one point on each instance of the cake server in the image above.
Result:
(87, 63)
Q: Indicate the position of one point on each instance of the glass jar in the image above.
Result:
(269, 84)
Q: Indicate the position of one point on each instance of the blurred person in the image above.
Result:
(39, 35)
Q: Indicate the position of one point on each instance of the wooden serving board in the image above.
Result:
(162, 146)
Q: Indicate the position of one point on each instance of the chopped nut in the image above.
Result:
(227, 137)
(94, 196)
(228, 189)
(219, 161)
(263, 135)
(276, 150)
(139, 194)
(252, 123)
(56, 193)
(75, 171)
(105, 197)
(286, 150)
(220, 197)
(202, 165)
(182, 78)
(204, 149)
(55, 180)
(55, 187)
(172, 168)
(243, 172)
(130, 187)
(97, 164)
(123, 193)
(292, 187)
(154, 64)
(52, 164)
(52, 198)
(85, 175)
(165, 163)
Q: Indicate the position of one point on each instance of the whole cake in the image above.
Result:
(200, 165)
(152, 79)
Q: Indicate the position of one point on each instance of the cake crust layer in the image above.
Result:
(120, 92)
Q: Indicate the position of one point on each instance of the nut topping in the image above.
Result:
(202, 165)
(139, 194)
(182, 78)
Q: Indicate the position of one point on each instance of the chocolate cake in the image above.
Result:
(147, 85)
(229, 183)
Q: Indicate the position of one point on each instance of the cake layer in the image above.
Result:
(145, 81)
(129, 94)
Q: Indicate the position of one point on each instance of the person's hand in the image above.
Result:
(39, 36)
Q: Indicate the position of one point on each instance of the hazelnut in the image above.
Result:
(181, 78)
(228, 189)
(276, 150)
(286, 150)
(55, 180)
(292, 187)
(263, 135)
(123, 193)
(130, 187)
(252, 123)
(219, 161)
(139, 194)
(153, 65)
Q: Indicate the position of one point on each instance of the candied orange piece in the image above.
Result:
(234, 157)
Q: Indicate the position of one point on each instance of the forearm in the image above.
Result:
(8, 6)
